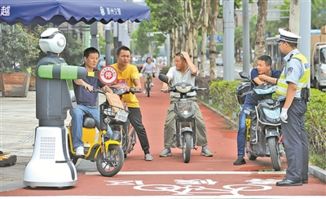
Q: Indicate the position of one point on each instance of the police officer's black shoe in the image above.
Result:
(286, 182)
(239, 161)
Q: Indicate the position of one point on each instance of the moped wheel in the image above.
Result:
(131, 138)
(124, 140)
(148, 89)
(74, 160)
(112, 163)
(186, 150)
(252, 156)
(275, 156)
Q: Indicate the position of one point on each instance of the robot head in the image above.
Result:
(52, 41)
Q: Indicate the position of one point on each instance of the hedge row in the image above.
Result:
(223, 97)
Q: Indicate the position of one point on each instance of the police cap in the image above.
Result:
(288, 36)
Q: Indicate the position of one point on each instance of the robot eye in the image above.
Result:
(61, 42)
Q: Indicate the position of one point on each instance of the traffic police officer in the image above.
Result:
(293, 88)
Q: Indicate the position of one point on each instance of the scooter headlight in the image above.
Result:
(183, 88)
(185, 109)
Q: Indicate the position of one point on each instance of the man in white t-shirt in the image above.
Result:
(183, 71)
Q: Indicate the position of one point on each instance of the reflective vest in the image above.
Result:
(304, 81)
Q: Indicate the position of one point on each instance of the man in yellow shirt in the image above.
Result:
(128, 76)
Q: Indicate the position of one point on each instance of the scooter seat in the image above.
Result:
(89, 122)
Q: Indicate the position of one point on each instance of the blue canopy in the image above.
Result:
(71, 11)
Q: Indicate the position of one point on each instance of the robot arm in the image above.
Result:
(61, 71)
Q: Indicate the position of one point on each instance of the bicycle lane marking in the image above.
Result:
(204, 183)
(191, 183)
(194, 186)
(192, 172)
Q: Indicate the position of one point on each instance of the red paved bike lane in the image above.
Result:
(215, 176)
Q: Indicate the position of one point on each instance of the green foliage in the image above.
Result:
(73, 52)
(18, 44)
(223, 95)
(316, 122)
(102, 44)
(166, 15)
(141, 39)
(318, 159)
(146, 38)
(318, 14)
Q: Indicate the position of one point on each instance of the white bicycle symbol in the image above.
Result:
(233, 189)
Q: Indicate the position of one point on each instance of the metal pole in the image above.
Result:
(168, 48)
(107, 47)
(228, 42)
(305, 27)
(94, 39)
(246, 37)
(108, 36)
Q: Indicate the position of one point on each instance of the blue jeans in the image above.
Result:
(77, 115)
(241, 139)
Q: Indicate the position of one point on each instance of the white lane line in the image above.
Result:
(192, 172)
(159, 197)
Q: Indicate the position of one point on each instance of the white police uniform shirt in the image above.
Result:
(293, 70)
(176, 76)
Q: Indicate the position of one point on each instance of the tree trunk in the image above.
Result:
(190, 45)
(294, 16)
(205, 14)
(260, 27)
(212, 43)
(188, 33)
(190, 29)
(174, 42)
(195, 49)
(182, 39)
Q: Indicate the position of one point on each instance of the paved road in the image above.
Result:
(163, 177)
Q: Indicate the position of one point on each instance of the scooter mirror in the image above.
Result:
(163, 78)
(244, 75)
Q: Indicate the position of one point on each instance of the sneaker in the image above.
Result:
(239, 161)
(148, 157)
(80, 151)
(166, 152)
(206, 152)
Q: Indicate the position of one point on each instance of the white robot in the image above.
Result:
(50, 165)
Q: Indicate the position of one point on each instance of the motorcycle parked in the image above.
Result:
(262, 123)
(99, 146)
(184, 116)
